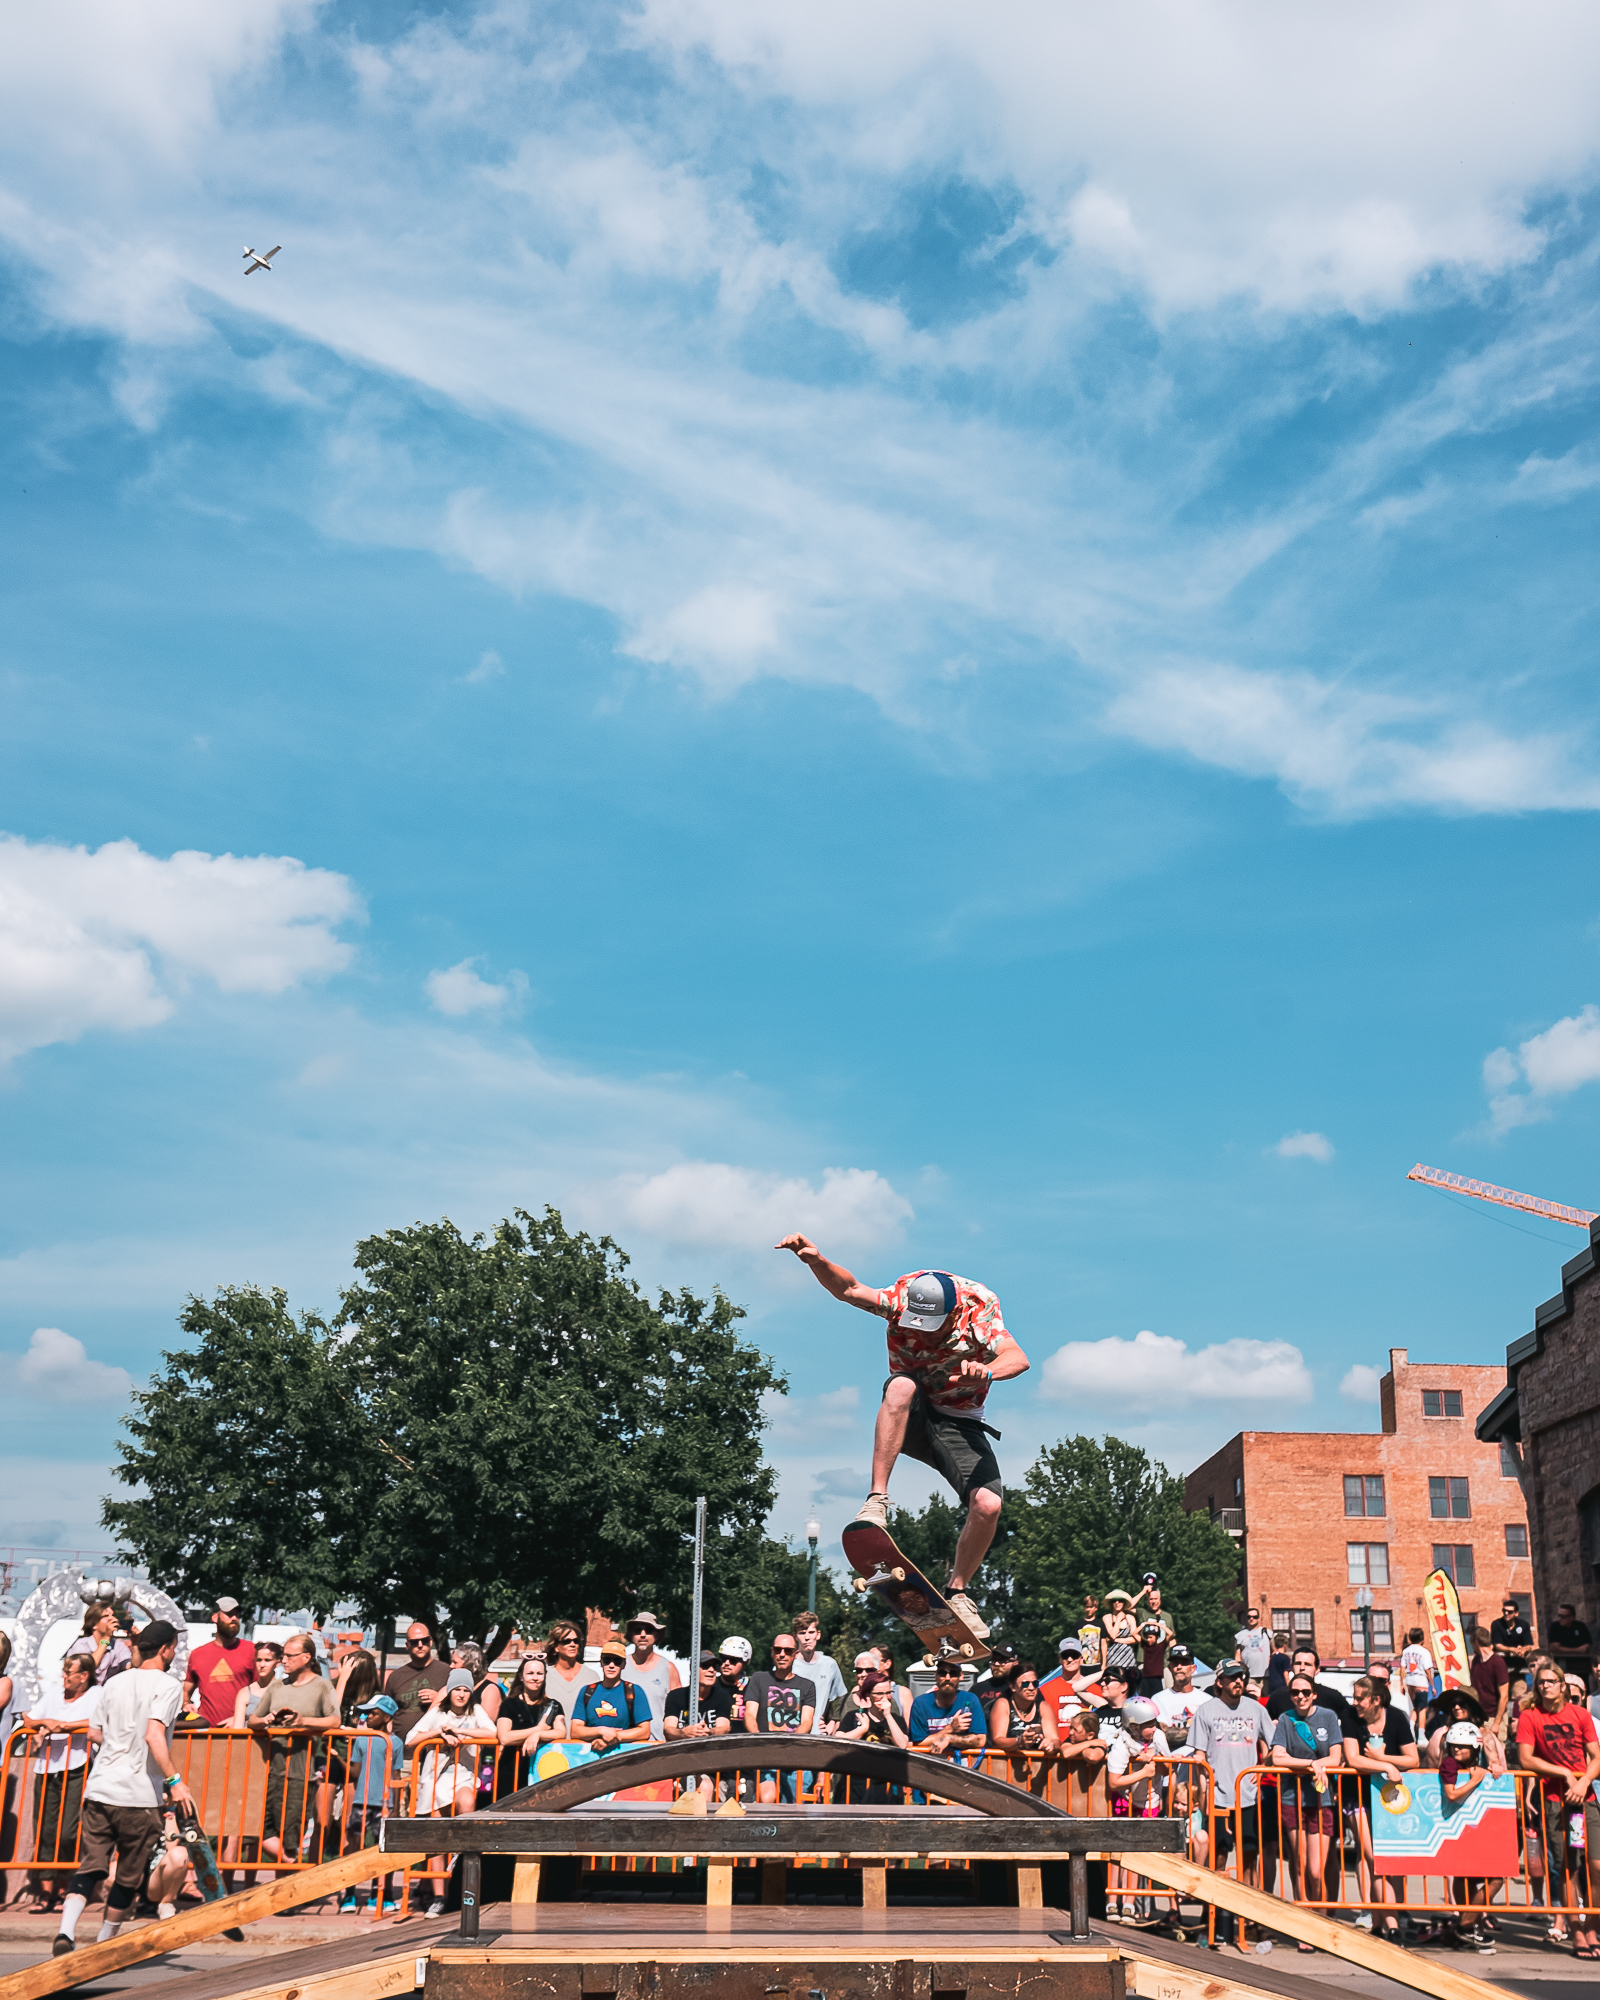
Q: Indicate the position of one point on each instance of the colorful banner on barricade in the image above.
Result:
(1451, 1653)
(1416, 1830)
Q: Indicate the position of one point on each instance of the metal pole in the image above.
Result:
(1366, 1641)
(694, 1619)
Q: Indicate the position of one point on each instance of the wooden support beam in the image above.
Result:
(525, 1879)
(719, 1884)
(874, 1885)
(94, 1961)
(1372, 1954)
(1030, 1887)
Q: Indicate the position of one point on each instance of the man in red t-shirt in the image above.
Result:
(1556, 1738)
(221, 1668)
(947, 1345)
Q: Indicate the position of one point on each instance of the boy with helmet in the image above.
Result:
(1463, 1767)
(1136, 1780)
(947, 1345)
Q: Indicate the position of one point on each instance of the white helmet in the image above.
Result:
(736, 1649)
(1135, 1714)
(1464, 1736)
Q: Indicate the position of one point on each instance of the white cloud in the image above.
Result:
(106, 938)
(58, 1367)
(1361, 1383)
(798, 1419)
(1299, 157)
(459, 990)
(1304, 1146)
(490, 666)
(1342, 749)
(724, 632)
(1552, 1065)
(710, 1205)
(1155, 1369)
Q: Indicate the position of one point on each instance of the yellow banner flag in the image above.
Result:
(1451, 1653)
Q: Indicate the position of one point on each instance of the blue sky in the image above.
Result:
(939, 626)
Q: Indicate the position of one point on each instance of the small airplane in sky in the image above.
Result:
(260, 260)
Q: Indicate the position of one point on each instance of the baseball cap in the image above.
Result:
(735, 1649)
(1232, 1670)
(708, 1659)
(930, 1300)
(1004, 1651)
(227, 1603)
(1071, 1644)
(152, 1637)
(614, 1649)
(1177, 1655)
(384, 1703)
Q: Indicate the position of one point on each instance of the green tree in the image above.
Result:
(494, 1430)
(1095, 1516)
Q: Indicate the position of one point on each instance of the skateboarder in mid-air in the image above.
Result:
(947, 1344)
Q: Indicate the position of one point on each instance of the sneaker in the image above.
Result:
(1364, 1921)
(967, 1612)
(349, 1906)
(62, 1945)
(875, 1508)
(436, 1907)
(1479, 1939)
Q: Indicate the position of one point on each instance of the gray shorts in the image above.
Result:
(957, 1448)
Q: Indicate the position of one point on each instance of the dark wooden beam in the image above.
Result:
(755, 1833)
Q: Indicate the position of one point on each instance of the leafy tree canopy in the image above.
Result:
(496, 1430)
(1097, 1515)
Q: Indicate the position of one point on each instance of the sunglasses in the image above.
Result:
(947, 1673)
(782, 1652)
(729, 1660)
(1027, 1684)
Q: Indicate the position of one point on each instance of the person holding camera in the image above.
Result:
(1019, 1721)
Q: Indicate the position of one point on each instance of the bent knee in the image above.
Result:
(899, 1392)
(985, 1503)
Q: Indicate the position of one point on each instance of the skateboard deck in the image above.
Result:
(898, 1583)
(203, 1861)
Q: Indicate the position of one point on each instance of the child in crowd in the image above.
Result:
(1280, 1662)
(1416, 1670)
(1464, 1765)
(368, 1768)
(1137, 1780)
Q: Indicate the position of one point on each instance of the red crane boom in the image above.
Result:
(1531, 1204)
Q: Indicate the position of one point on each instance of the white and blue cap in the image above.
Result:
(930, 1300)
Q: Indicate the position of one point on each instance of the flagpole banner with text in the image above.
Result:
(1451, 1653)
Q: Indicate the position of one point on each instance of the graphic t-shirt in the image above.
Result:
(624, 1706)
(125, 1773)
(404, 1685)
(1416, 1665)
(219, 1672)
(972, 1335)
(1068, 1696)
(1177, 1711)
(1227, 1738)
(778, 1702)
(1315, 1735)
(715, 1706)
(1564, 1738)
(1253, 1647)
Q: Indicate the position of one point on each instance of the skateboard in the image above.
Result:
(898, 1583)
(203, 1861)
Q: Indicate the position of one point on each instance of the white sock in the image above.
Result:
(72, 1908)
(109, 1929)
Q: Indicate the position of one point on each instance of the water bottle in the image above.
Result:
(1575, 1835)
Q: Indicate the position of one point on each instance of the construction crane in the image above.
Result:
(1530, 1204)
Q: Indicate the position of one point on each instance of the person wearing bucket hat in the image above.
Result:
(948, 1345)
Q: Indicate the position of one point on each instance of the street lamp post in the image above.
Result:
(813, 1535)
(1364, 1606)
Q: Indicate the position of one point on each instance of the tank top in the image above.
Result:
(656, 1680)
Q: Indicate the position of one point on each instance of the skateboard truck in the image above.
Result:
(879, 1575)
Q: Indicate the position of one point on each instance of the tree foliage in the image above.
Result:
(1096, 1515)
(493, 1430)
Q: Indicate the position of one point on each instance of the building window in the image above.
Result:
(1447, 1500)
(1441, 1402)
(1516, 1539)
(1367, 1562)
(1301, 1627)
(1508, 1460)
(1363, 1493)
(1455, 1559)
(1238, 1487)
(1382, 1631)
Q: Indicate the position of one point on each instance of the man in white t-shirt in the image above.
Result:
(62, 1763)
(1176, 1705)
(1255, 1645)
(133, 1778)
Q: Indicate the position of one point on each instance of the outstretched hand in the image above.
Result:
(798, 1244)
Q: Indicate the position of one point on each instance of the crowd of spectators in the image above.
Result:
(1290, 1751)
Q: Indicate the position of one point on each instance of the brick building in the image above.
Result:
(1547, 1415)
(1319, 1514)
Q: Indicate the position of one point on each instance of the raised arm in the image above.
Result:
(833, 1277)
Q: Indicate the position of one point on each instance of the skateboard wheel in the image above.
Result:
(966, 1649)
(860, 1582)
(899, 1575)
(930, 1659)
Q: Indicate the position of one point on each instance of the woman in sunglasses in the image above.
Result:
(1309, 1741)
(1023, 1725)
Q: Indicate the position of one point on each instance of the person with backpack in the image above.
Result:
(611, 1712)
